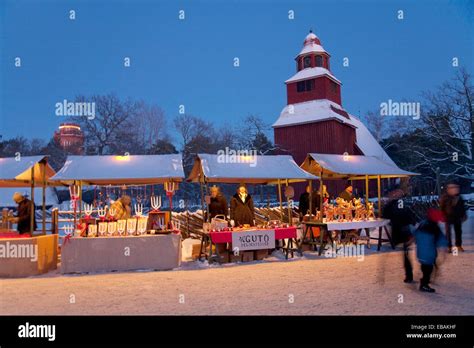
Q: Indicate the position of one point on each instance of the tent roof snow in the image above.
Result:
(247, 169)
(16, 172)
(351, 167)
(119, 170)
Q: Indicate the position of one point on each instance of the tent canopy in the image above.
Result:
(247, 169)
(16, 172)
(351, 167)
(119, 170)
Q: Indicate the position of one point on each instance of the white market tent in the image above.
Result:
(119, 170)
(27, 171)
(351, 167)
(22, 171)
(256, 169)
(249, 169)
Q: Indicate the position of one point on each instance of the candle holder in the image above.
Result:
(142, 224)
(155, 203)
(121, 227)
(138, 209)
(102, 212)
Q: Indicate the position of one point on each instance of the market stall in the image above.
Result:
(353, 215)
(26, 254)
(247, 240)
(116, 234)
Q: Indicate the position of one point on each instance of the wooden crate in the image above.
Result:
(235, 258)
(247, 256)
(260, 254)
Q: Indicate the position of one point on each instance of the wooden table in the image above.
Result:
(225, 237)
(325, 227)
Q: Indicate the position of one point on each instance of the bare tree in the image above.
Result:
(106, 132)
(149, 124)
(448, 118)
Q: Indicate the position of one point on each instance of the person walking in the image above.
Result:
(401, 220)
(429, 238)
(454, 210)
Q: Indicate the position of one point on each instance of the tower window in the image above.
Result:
(307, 62)
(333, 87)
(319, 61)
(305, 86)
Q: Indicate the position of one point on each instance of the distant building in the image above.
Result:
(70, 137)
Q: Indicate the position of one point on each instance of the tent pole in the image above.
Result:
(310, 200)
(321, 196)
(366, 191)
(80, 200)
(288, 206)
(207, 206)
(32, 202)
(379, 196)
(202, 197)
(281, 203)
(44, 198)
(75, 207)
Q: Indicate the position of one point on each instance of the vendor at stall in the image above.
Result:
(122, 207)
(217, 203)
(23, 218)
(241, 208)
(347, 193)
(304, 202)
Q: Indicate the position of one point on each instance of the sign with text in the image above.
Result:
(253, 240)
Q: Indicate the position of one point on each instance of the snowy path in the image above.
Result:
(316, 285)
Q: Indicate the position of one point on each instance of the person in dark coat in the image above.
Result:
(304, 202)
(347, 193)
(241, 208)
(23, 218)
(401, 219)
(428, 239)
(454, 210)
(217, 204)
(316, 198)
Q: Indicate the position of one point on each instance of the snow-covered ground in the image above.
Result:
(310, 285)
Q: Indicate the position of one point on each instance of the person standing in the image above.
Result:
(23, 218)
(454, 210)
(347, 193)
(122, 208)
(304, 202)
(217, 203)
(428, 239)
(241, 208)
(401, 219)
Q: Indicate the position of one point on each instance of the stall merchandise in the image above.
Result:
(97, 241)
(249, 169)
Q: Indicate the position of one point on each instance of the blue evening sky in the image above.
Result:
(190, 61)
